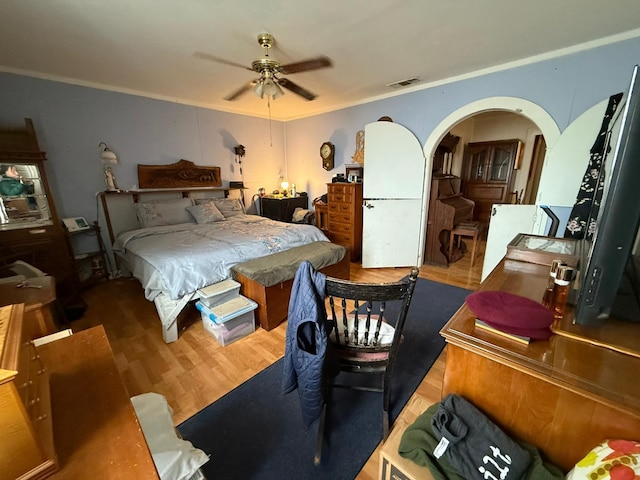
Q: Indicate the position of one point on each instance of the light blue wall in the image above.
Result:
(565, 87)
(72, 120)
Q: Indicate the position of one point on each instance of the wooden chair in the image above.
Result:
(359, 342)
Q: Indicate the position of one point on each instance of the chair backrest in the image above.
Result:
(355, 310)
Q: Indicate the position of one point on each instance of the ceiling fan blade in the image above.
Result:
(295, 88)
(206, 56)
(245, 88)
(306, 65)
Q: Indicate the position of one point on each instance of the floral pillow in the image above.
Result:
(164, 212)
(611, 460)
(229, 207)
(206, 213)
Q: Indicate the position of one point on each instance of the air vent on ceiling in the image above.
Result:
(403, 83)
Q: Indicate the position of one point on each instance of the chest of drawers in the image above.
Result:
(344, 204)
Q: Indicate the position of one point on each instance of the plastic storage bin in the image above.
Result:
(220, 292)
(229, 321)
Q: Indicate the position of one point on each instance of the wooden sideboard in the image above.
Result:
(64, 410)
(345, 216)
(97, 434)
(564, 395)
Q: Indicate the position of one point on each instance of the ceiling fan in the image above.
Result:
(269, 68)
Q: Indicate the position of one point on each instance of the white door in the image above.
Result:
(393, 204)
(505, 223)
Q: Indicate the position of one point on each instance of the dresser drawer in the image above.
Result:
(339, 188)
(340, 198)
(343, 239)
(340, 208)
(346, 218)
(339, 227)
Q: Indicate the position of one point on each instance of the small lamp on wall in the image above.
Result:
(107, 159)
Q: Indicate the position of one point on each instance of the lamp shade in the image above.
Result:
(107, 157)
(268, 86)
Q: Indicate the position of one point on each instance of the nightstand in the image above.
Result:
(91, 267)
(282, 208)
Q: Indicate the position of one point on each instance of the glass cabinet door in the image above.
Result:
(478, 165)
(501, 166)
(23, 198)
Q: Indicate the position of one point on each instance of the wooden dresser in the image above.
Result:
(345, 216)
(27, 448)
(564, 395)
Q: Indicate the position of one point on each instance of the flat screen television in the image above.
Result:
(608, 284)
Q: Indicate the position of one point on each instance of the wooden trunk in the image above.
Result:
(273, 302)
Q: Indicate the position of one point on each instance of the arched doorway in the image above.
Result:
(538, 116)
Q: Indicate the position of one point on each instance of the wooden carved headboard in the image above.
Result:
(182, 174)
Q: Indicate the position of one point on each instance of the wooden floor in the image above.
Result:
(195, 370)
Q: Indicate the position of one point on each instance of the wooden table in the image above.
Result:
(564, 395)
(96, 431)
(42, 297)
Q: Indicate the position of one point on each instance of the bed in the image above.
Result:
(178, 240)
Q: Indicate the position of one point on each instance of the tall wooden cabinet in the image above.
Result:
(30, 229)
(488, 174)
(344, 203)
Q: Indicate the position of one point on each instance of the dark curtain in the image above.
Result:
(582, 221)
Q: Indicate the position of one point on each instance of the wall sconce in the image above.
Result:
(108, 158)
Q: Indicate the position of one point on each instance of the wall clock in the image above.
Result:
(327, 153)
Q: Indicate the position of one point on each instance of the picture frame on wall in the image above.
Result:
(354, 173)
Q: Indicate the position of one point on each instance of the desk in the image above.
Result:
(562, 395)
(96, 431)
(33, 298)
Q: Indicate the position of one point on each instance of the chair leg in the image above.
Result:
(386, 415)
(318, 455)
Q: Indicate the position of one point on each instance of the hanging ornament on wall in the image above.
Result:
(240, 152)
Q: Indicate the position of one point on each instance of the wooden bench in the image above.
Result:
(268, 280)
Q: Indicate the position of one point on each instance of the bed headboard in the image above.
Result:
(178, 175)
(178, 180)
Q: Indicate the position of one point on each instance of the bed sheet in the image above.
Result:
(179, 259)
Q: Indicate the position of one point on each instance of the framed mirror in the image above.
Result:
(23, 198)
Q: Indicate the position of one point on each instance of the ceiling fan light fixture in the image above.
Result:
(268, 86)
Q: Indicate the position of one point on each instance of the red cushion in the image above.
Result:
(511, 313)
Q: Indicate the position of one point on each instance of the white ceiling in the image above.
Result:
(147, 47)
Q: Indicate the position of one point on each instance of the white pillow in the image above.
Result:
(205, 213)
(164, 212)
(229, 207)
(175, 459)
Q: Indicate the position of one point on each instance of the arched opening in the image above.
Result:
(542, 127)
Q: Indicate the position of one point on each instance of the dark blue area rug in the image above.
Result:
(256, 432)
